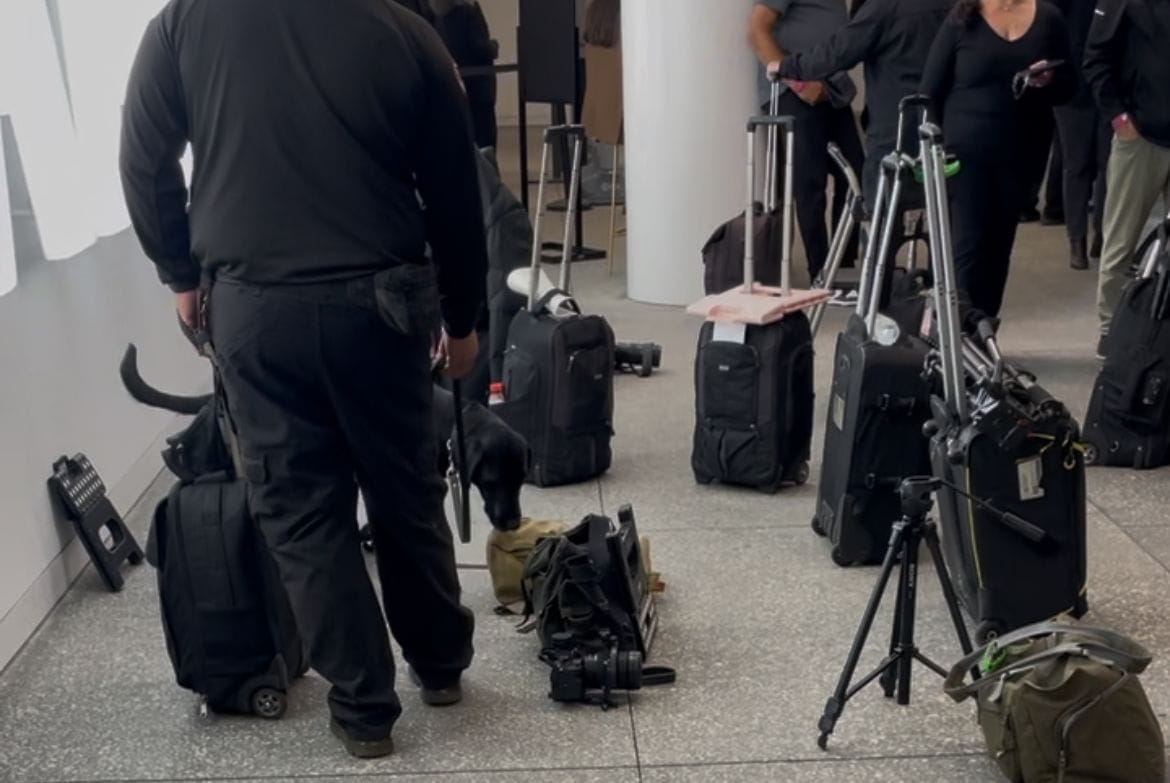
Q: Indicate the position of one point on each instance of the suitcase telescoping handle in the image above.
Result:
(577, 134)
(774, 124)
(905, 106)
(946, 293)
(845, 225)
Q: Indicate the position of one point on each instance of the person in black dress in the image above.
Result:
(969, 74)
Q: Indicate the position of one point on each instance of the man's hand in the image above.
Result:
(812, 93)
(187, 303)
(1125, 129)
(459, 352)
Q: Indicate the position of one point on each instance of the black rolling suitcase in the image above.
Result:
(878, 404)
(1128, 423)
(754, 384)
(1007, 454)
(229, 628)
(559, 366)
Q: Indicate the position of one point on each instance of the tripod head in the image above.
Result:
(915, 492)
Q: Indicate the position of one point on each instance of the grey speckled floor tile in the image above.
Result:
(579, 775)
(963, 769)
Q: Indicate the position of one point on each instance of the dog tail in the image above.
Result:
(146, 394)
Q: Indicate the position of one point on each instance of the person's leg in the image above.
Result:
(1006, 197)
(1037, 146)
(1054, 181)
(1136, 177)
(969, 197)
(384, 401)
(302, 495)
(810, 175)
(1078, 138)
(1103, 137)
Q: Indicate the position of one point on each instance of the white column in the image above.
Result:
(690, 85)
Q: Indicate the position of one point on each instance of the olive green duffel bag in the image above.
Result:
(1063, 704)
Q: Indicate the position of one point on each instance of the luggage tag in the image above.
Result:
(725, 332)
(1030, 473)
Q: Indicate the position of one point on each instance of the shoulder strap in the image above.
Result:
(1100, 644)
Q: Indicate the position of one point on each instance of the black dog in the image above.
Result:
(497, 456)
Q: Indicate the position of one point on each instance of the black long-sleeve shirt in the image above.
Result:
(892, 38)
(316, 128)
(1127, 64)
(969, 75)
(1078, 16)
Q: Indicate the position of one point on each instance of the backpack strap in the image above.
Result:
(1100, 644)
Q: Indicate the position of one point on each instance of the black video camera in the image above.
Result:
(587, 673)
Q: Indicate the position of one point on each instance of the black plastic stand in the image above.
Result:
(905, 540)
(78, 494)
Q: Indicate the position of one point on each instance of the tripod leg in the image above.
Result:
(908, 600)
(948, 588)
(890, 675)
(836, 703)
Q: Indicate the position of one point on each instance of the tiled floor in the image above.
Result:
(755, 617)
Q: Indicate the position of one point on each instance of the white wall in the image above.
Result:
(64, 322)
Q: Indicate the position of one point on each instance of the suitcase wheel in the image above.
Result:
(839, 558)
(135, 558)
(1091, 454)
(268, 703)
(801, 474)
(817, 527)
(988, 630)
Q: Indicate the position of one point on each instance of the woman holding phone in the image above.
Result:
(994, 66)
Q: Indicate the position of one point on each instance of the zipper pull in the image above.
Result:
(1061, 765)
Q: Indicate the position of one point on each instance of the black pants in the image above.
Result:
(323, 393)
(986, 198)
(1036, 149)
(1085, 137)
(816, 126)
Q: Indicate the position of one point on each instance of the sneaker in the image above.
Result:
(438, 697)
(360, 748)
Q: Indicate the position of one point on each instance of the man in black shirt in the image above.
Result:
(1128, 70)
(892, 38)
(316, 129)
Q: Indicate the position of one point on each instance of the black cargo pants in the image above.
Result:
(327, 398)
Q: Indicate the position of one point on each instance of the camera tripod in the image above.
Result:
(907, 535)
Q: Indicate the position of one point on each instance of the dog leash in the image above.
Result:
(459, 457)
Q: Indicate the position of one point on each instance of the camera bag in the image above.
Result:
(229, 627)
(1128, 423)
(1063, 704)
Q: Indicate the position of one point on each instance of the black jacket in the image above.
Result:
(1127, 64)
(892, 39)
(331, 140)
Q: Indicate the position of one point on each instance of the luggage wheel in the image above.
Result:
(801, 474)
(839, 558)
(817, 527)
(268, 703)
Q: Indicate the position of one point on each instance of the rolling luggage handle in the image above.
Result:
(946, 295)
(844, 230)
(774, 124)
(577, 132)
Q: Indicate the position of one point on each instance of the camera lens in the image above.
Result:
(628, 670)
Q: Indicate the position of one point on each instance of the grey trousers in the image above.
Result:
(1138, 173)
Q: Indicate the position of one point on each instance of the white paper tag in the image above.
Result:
(724, 332)
(1031, 476)
(839, 411)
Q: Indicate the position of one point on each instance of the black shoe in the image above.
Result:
(1030, 215)
(438, 697)
(360, 748)
(1053, 218)
(1077, 258)
(1095, 247)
